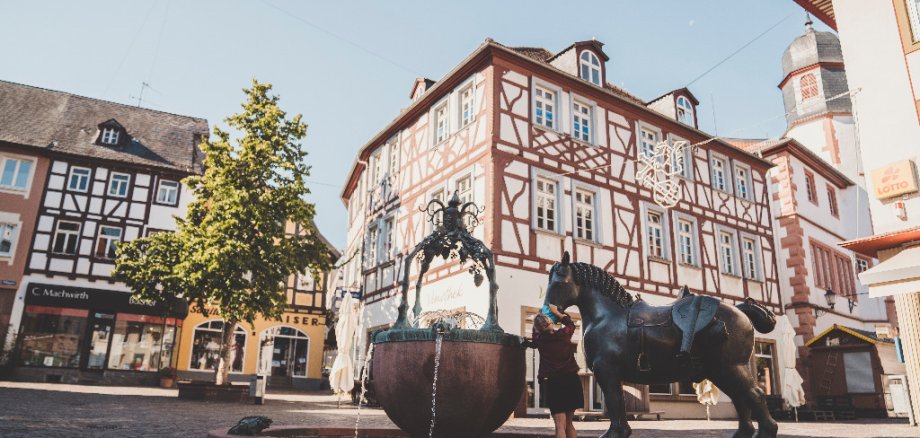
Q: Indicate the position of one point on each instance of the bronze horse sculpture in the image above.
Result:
(627, 340)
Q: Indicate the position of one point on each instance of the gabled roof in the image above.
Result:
(683, 90)
(597, 45)
(419, 82)
(864, 335)
(59, 122)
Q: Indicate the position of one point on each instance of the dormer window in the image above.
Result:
(590, 67)
(685, 111)
(110, 136)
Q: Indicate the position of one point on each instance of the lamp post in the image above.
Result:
(831, 299)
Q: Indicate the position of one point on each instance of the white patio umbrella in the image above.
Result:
(792, 390)
(342, 375)
(707, 394)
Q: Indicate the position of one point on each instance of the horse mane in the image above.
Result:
(592, 276)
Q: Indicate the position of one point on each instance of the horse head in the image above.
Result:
(562, 290)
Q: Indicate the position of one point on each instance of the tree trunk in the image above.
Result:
(227, 347)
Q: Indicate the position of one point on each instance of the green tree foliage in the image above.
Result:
(230, 255)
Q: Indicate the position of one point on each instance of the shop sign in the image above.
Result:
(101, 300)
(297, 319)
(895, 179)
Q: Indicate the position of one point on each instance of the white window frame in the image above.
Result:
(556, 112)
(387, 239)
(553, 180)
(373, 244)
(590, 69)
(85, 178)
(727, 172)
(648, 208)
(4, 160)
(467, 195)
(641, 142)
(109, 241)
(582, 120)
(688, 117)
(862, 265)
(694, 243)
(913, 12)
(439, 135)
(579, 232)
(464, 120)
(439, 193)
(125, 182)
(747, 179)
(757, 275)
(11, 228)
(238, 330)
(394, 160)
(686, 154)
(70, 235)
(732, 256)
(110, 136)
(175, 191)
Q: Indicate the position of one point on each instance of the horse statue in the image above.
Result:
(628, 340)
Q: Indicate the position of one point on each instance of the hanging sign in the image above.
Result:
(895, 179)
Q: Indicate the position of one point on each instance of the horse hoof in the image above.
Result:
(618, 433)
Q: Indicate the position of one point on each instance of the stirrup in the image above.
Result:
(642, 363)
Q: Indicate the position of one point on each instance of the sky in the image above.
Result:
(348, 66)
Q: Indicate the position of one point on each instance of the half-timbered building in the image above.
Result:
(551, 150)
(113, 174)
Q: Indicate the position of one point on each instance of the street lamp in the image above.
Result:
(831, 299)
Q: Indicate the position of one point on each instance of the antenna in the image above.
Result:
(140, 96)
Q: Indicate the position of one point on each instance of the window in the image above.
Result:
(284, 352)
(141, 343)
(684, 111)
(584, 215)
(66, 238)
(742, 182)
(833, 270)
(764, 364)
(167, 192)
(15, 174)
(862, 265)
(681, 161)
(464, 188)
(810, 189)
(659, 389)
(859, 372)
(79, 179)
(655, 228)
(387, 249)
(832, 201)
(372, 238)
(52, 336)
(718, 174)
(546, 204)
(749, 255)
(437, 195)
(913, 12)
(648, 140)
(727, 252)
(581, 121)
(206, 347)
(106, 241)
(545, 107)
(7, 239)
(466, 105)
(590, 67)
(440, 123)
(808, 86)
(118, 185)
(394, 157)
(110, 136)
(686, 240)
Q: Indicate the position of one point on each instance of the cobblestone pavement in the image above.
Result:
(55, 410)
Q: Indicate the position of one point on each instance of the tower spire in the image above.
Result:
(808, 22)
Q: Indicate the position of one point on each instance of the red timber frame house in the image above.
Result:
(550, 149)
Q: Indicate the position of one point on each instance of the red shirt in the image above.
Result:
(557, 352)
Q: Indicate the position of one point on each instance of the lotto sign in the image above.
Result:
(894, 179)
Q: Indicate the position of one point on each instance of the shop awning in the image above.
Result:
(899, 274)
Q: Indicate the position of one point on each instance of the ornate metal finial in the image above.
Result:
(808, 22)
(451, 238)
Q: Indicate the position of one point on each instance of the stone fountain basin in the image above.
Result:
(480, 380)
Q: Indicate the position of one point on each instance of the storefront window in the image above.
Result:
(51, 337)
(142, 343)
(284, 352)
(206, 347)
(764, 367)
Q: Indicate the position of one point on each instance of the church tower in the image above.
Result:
(819, 112)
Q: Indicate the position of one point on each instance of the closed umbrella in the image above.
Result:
(792, 390)
(707, 394)
(342, 375)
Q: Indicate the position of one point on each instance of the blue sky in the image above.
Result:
(348, 66)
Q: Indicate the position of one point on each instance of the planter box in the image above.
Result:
(207, 391)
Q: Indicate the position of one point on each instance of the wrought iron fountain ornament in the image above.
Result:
(451, 239)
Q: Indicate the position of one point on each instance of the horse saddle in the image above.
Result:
(680, 313)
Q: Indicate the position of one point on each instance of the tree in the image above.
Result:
(230, 256)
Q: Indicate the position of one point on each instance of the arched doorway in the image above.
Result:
(283, 354)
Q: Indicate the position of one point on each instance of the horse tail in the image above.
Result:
(763, 319)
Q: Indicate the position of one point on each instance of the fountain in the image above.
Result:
(443, 381)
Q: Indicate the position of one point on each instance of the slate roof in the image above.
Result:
(55, 121)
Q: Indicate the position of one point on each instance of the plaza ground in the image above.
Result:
(56, 410)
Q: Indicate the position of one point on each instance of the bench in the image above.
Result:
(595, 415)
(639, 415)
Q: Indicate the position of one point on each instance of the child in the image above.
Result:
(558, 369)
